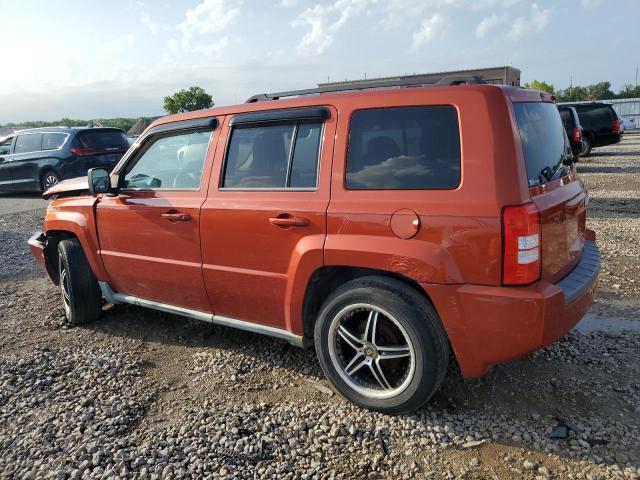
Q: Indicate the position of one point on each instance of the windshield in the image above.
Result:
(544, 141)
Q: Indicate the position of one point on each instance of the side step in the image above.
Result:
(116, 298)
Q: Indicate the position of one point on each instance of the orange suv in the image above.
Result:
(384, 226)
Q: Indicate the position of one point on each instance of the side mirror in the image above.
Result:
(99, 181)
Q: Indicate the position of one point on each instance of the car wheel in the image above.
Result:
(381, 344)
(49, 179)
(79, 288)
(588, 145)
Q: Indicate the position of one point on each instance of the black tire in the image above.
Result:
(423, 332)
(81, 297)
(588, 145)
(48, 180)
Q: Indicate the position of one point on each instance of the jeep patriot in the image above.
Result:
(386, 227)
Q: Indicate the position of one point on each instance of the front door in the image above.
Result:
(150, 232)
(264, 218)
(5, 165)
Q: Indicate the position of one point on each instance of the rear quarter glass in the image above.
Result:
(544, 141)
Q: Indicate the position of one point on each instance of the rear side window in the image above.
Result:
(544, 141)
(273, 156)
(103, 140)
(28, 143)
(404, 148)
(52, 141)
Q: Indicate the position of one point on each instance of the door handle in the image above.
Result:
(176, 216)
(289, 221)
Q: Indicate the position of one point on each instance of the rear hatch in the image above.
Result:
(101, 147)
(555, 189)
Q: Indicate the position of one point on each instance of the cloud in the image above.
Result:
(117, 45)
(537, 21)
(489, 23)
(154, 27)
(590, 4)
(430, 27)
(323, 21)
(209, 16)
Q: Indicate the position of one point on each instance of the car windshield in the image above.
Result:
(103, 139)
(544, 141)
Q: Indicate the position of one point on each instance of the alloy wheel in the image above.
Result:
(371, 351)
(50, 181)
(64, 288)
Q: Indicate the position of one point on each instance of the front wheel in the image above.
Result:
(381, 344)
(79, 288)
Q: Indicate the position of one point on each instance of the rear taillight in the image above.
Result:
(84, 152)
(521, 233)
(616, 126)
(577, 134)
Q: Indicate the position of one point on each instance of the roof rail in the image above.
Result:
(363, 85)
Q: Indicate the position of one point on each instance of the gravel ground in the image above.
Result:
(142, 394)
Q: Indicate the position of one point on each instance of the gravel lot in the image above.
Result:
(143, 394)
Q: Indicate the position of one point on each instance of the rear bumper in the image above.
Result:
(602, 140)
(489, 325)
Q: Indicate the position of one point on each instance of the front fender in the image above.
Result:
(75, 215)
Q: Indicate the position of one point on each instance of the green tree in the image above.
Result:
(599, 91)
(540, 85)
(195, 98)
(629, 91)
(575, 93)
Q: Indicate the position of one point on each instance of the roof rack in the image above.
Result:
(363, 85)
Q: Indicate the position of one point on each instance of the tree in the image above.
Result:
(572, 94)
(195, 98)
(629, 91)
(540, 85)
(599, 91)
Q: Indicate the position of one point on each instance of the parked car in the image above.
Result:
(36, 159)
(573, 128)
(600, 124)
(384, 227)
(627, 122)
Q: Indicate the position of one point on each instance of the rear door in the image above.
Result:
(150, 232)
(555, 189)
(263, 221)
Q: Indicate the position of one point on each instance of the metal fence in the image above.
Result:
(628, 107)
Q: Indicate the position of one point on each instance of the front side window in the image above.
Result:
(53, 141)
(30, 142)
(169, 162)
(5, 146)
(405, 148)
(273, 156)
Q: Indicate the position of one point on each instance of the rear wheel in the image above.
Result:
(588, 145)
(381, 344)
(49, 179)
(79, 288)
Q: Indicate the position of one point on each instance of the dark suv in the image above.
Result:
(39, 158)
(572, 127)
(600, 124)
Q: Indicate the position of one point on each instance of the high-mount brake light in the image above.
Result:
(521, 260)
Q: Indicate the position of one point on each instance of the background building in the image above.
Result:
(496, 75)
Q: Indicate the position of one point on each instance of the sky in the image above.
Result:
(119, 58)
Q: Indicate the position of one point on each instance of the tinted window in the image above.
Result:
(260, 156)
(5, 146)
(404, 148)
(169, 162)
(51, 141)
(28, 143)
(544, 141)
(595, 116)
(103, 140)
